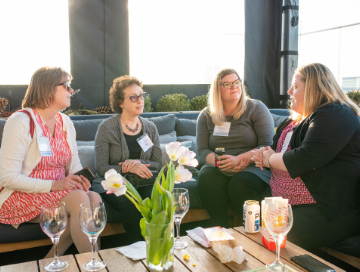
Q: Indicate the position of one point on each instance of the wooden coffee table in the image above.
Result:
(258, 256)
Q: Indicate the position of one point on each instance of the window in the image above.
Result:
(33, 34)
(185, 41)
(329, 34)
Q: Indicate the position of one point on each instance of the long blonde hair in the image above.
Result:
(41, 90)
(216, 108)
(321, 88)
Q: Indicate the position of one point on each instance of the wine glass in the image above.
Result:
(278, 220)
(182, 204)
(53, 221)
(92, 221)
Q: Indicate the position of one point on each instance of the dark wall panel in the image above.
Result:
(14, 94)
(86, 22)
(116, 42)
(263, 50)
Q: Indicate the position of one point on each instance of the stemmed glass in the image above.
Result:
(92, 222)
(278, 220)
(53, 221)
(182, 204)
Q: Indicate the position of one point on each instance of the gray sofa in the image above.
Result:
(171, 127)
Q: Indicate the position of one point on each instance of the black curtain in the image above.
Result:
(263, 50)
(99, 46)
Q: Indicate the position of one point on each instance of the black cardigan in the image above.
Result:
(325, 153)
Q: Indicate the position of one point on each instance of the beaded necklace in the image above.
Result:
(133, 130)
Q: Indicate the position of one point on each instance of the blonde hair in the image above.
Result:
(321, 88)
(41, 90)
(216, 108)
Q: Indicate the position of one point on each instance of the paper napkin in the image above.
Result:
(136, 251)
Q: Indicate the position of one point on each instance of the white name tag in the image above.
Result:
(145, 142)
(222, 130)
(44, 146)
(287, 141)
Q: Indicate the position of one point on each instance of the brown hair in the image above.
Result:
(321, 88)
(215, 103)
(117, 91)
(41, 90)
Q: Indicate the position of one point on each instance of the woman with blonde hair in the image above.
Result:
(238, 124)
(39, 157)
(315, 159)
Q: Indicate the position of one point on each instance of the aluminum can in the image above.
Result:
(251, 216)
(219, 151)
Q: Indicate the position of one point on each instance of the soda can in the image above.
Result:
(251, 216)
(219, 151)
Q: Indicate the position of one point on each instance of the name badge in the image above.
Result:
(222, 130)
(145, 142)
(287, 141)
(44, 146)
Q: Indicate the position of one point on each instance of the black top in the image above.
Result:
(325, 153)
(133, 145)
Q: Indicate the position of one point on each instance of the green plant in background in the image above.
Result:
(198, 103)
(147, 104)
(173, 102)
(354, 95)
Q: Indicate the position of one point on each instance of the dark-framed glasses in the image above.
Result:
(66, 84)
(135, 98)
(228, 84)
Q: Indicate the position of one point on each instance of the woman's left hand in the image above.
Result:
(127, 165)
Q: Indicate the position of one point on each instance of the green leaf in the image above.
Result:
(159, 219)
(172, 178)
(169, 204)
(146, 202)
(156, 188)
(143, 227)
(132, 190)
(145, 211)
(157, 207)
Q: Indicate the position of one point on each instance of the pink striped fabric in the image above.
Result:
(21, 207)
(283, 185)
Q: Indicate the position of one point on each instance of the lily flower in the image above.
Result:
(172, 149)
(182, 174)
(187, 157)
(114, 183)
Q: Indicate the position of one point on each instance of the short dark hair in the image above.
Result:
(117, 90)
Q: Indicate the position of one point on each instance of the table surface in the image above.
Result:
(204, 258)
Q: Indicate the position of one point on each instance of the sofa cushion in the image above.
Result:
(167, 138)
(165, 157)
(25, 232)
(87, 157)
(86, 129)
(164, 124)
(2, 124)
(185, 127)
(85, 143)
(278, 119)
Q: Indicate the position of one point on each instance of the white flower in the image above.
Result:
(114, 183)
(172, 149)
(186, 157)
(182, 175)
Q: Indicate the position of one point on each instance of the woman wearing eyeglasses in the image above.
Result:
(117, 147)
(39, 157)
(238, 124)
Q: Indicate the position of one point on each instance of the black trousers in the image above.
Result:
(218, 191)
(311, 228)
(127, 212)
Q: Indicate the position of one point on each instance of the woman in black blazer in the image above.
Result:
(315, 160)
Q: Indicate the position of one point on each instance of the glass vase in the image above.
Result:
(159, 246)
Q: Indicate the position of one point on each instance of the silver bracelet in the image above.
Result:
(269, 161)
(52, 185)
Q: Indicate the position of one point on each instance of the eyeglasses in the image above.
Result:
(227, 84)
(66, 84)
(135, 98)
